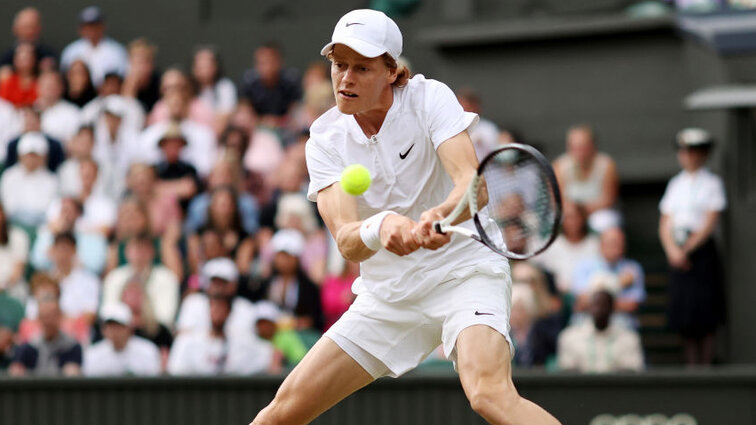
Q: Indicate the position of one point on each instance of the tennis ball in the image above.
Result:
(355, 179)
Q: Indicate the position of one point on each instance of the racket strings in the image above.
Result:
(521, 201)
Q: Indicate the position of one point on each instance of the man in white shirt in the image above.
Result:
(219, 278)
(121, 352)
(417, 288)
(28, 187)
(598, 345)
(60, 119)
(79, 288)
(215, 352)
(101, 53)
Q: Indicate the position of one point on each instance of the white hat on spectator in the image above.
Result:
(32, 142)
(693, 138)
(115, 105)
(116, 312)
(604, 281)
(221, 268)
(368, 32)
(289, 241)
(267, 310)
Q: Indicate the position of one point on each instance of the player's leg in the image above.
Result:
(483, 362)
(324, 377)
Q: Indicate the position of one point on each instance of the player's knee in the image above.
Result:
(494, 402)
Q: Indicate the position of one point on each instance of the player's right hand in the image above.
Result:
(396, 234)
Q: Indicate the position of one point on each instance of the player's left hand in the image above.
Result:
(426, 235)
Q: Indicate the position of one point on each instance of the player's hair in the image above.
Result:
(402, 71)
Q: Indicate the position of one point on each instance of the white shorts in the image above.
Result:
(390, 339)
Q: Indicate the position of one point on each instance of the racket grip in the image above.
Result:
(437, 227)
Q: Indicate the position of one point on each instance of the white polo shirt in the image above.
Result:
(61, 121)
(108, 56)
(408, 178)
(689, 196)
(140, 357)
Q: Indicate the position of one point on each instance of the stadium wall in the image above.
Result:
(700, 397)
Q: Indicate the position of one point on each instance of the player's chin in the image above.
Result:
(346, 107)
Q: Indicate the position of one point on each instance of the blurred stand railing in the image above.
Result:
(672, 396)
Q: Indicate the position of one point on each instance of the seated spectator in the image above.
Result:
(79, 87)
(143, 80)
(272, 90)
(200, 150)
(285, 340)
(79, 287)
(32, 124)
(220, 278)
(690, 210)
(318, 99)
(530, 349)
(573, 245)
(589, 178)
(213, 351)
(175, 81)
(215, 89)
(69, 172)
(101, 53)
(52, 353)
(14, 252)
(143, 320)
(597, 345)
(160, 283)
(121, 352)
(612, 269)
(290, 178)
(296, 212)
(225, 173)
(128, 108)
(28, 188)
(485, 135)
(336, 292)
(164, 210)
(289, 287)
(75, 320)
(176, 178)
(224, 216)
(7, 347)
(60, 119)
(263, 152)
(11, 314)
(27, 28)
(99, 212)
(20, 86)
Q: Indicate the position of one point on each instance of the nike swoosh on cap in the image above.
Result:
(354, 23)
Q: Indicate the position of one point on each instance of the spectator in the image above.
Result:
(143, 319)
(10, 126)
(164, 210)
(289, 287)
(318, 99)
(101, 53)
(224, 216)
(91, 248)
(99, 212)
(214, 88)
(79, 148)
(27, 188)
(296, 212)
(485, 135)
(175, 81)
(160, 283)
(128, 108)
(121, 352)
(11, 314)
(143, 80)
(336, 292)
(79, 87)
(32, 123)
(219, 278)
(573, 245)
(60, 119)
(27, 28)
(589, 178)
(19, 87)
(51, 353)
(201, 146)
(271, 89)
(613, 270)
(289, 346)
(14, 249)
(79, 287)
(215, 352)
(6, 347)
(176, 178)
(690, 210)
(534, 339)
(263, 153)
(597, 345)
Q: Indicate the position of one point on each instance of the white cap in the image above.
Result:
(368, 32)
(693, 137)
(32, 142)
(222, 268)
(289, 241)
(116, 312)
(115, 105)
(267, 310)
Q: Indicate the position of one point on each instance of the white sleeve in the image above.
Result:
(190, 315)
(665, 205)
(226, 92)
(147, 360)
(716, 199)
(178, 363)
(323, 166)
(445, 116)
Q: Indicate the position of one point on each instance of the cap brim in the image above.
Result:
(365, 49)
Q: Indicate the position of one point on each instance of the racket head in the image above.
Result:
(524, 206)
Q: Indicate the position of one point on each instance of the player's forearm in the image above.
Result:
(461, 184)
(350, 243)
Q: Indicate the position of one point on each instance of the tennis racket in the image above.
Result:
(514, 202)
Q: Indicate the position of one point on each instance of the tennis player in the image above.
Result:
(418, 288)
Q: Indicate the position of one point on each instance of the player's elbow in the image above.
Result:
(352, 249)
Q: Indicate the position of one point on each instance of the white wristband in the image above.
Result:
(370, 230)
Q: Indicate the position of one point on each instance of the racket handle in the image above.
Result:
(437, 227)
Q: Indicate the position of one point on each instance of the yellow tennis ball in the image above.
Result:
(355, 179)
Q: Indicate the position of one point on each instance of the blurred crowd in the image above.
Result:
(155, 222)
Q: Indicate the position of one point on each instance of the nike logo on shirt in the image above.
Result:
(477, 313)
(404, 155)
